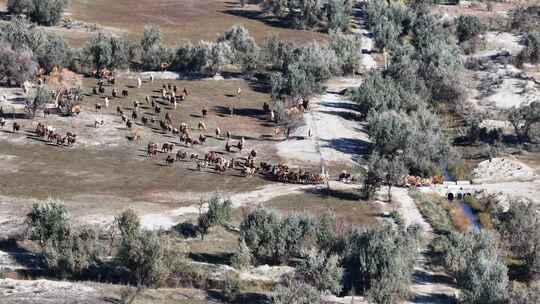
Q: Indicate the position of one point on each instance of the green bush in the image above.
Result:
(44, 12)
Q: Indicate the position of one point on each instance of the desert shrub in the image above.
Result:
(521, 293)
(379, 262)
(74, 255)
(520, 230)
(390, 169)
(296, 292)
(128, 224)
(338, 15)
(346, 48)
(44, 12)
(67, 250)
(244, 48)
(434, 209)
(327, 236)
(153, 53)
(242, 258)
(219, 210)
(275, 240)
(51, 50)
(332, 15)
(524, 18)
(321, 271)
(232, 287)
(17, 7)
(378, 93)
(105, 51)
(523, 119)
(531, 52)
(16, 66)
(143, 255)
(37, 99)
(475, 260)
(48, 222)
(203, 224)
(468, 27)
(187, 230)
(275, 51)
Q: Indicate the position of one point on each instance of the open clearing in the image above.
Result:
(179, 20)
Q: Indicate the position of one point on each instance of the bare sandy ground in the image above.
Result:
(337, 136)
(166, 220)
(47, 292)
(502, 170)
(427, 285)
(503, 87)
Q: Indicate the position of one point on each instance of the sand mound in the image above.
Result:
(501, 170)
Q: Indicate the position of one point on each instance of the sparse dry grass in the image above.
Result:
(192, 20)
(348, 207)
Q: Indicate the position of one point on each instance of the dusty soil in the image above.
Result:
(182, 20)
(502, 170)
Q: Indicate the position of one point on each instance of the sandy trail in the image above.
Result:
(337, 136)
(428, 286)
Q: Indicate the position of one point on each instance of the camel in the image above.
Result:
(201, 125)
(167, 147)
(202, 138)
(168, 118)
(152, 149)
(98, 123)
(181, 155)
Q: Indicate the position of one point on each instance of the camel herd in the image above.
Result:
(186, 139)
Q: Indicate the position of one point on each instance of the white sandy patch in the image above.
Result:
(8, 163)
(502, 41)
(166, 220)
(337, 136)
(502, 170)
(504, 87)
(22, 289)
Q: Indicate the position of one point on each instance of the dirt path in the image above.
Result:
(338, 136)
(428, 286)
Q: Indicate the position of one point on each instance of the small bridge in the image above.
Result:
(458, 190)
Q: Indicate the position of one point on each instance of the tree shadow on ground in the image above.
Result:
(212, 258)
(346, 195)
(249, 112)
(357, 148)
(258, 16)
